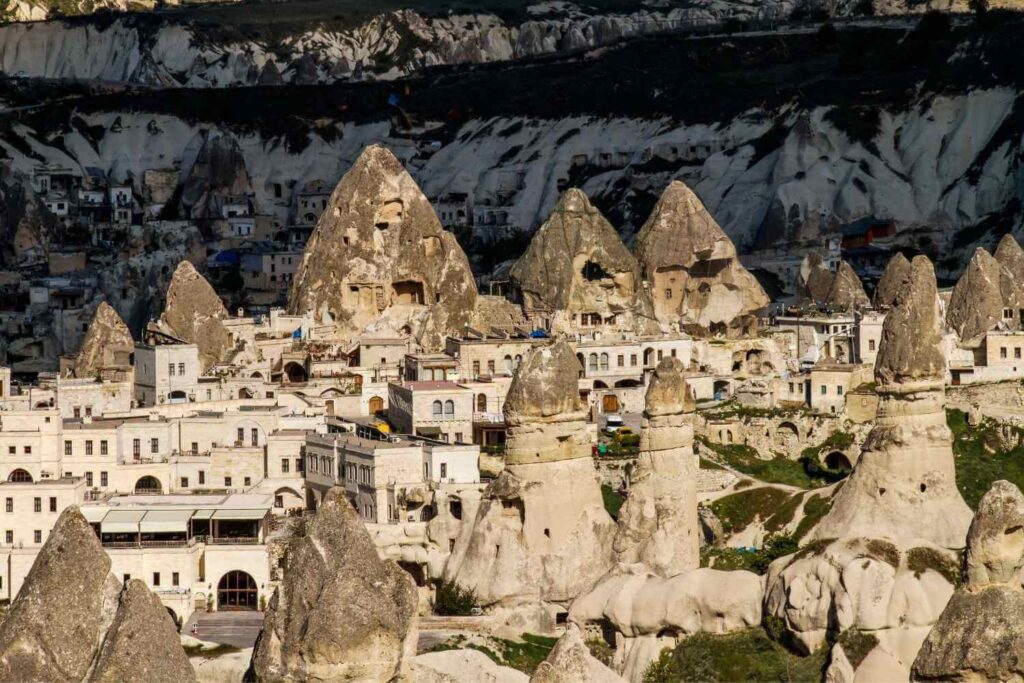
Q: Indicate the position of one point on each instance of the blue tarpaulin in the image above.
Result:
(297, 334)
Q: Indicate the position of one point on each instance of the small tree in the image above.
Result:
(452, 600)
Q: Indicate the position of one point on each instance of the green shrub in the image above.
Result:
(744, 459)
(451, 600)
(757, 561)
(748, 655)
(980, 458)
(613, 500)
(816, 507)
(857, 644)
(600, 650)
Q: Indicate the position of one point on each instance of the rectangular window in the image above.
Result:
(824, 390)
(622, 361)
(227, 482)
(10, 505)
(137, 448)
(632, 360)
(195, 447)
(154, 445)
(67, 448)
(53, 504)
(839, 389)
(444, 470)
(88, 411)
(88, 479)
(202, 477)
(37, 536)
(476, 368)
(37, 504)
(77, 412)
(28, 450)
(88, 447)
(1016, 352)
(254, 436)
(170, 369)
(1002, 352)
(103, 447)
(156, 578)
(240, 437)
(490, 367)
(9, 536)
(298, 465)
(103, 478)
(871, 344)
(181, 369)
(175, 579)
(247, 481)
(284, 465)
(184, 482)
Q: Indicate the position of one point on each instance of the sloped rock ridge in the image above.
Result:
(194, 314)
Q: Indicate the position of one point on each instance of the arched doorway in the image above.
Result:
(236, 590)
(19, 476)
(177, 396)
(838, 461)
(244, 393)
(148, 484)
(376, 405)
(610, 403)
(296, 373)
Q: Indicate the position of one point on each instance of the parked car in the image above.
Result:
(612, 423)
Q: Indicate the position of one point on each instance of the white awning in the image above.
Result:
(94, 514)
(203, 514)
(122, 522)
(165, 521)
(240, 514)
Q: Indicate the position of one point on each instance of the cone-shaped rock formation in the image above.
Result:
(379, 255)
(74, 621)
(980, 635)
(691, 265)
(576, 264)
(847, 292)
(895, 278)
(981, 295)
(815, 278)
(107, 336)
(541, 534)
(194, 313)
(904, 483)
(341, 613)
(570, 661)
(658, 523)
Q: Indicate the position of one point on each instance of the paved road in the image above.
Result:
(229, 628)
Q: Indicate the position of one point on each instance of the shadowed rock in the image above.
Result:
(379, 256)
(815, 278)
(847, 292)
(577, 264)
(692, 267)
(980, 635)
(217, 175)
(71, 620)
(911, 348)
(981, 294)
(1011, 256)
(892, 282)
(107, 335)
(194, 313)
(341, 613)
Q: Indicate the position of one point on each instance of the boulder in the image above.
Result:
(980, 635)
(570, 661)
(108, 335)
(576, 264)
(692, 267)
(379, 256)
(658, 523)
(195, 314)
(892, 282)
(815, 278)
(981, 295)
(73, 620)
(341, 613)
(847, 292)
(541, 535)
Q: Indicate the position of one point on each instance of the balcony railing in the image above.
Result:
(234, 540)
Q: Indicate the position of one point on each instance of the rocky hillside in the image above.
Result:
(783, 136)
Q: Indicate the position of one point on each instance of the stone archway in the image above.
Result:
(148, 484)
(19, 476)
(837, 460)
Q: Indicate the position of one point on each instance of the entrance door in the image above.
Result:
(376, 405)
(236, 590)
(610, 403)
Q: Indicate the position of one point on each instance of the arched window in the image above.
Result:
(604, 362)
(481, 403)
(519, 360)
(449, 407)
(19, 476)
(593, 362)
(508, 364)
(437, 408)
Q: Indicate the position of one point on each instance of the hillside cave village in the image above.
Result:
(301, 433)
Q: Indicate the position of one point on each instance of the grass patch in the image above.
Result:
(816, 507)
(600, 650)
(748, 655)
(883, 551)
(785, 514)
(613, 500)
(757, 561)
(810, 458)
(921, 559)
(980, 459)
(524, 656)
(744, 459)
(857, 644)
(210, 652)
(739, 510)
